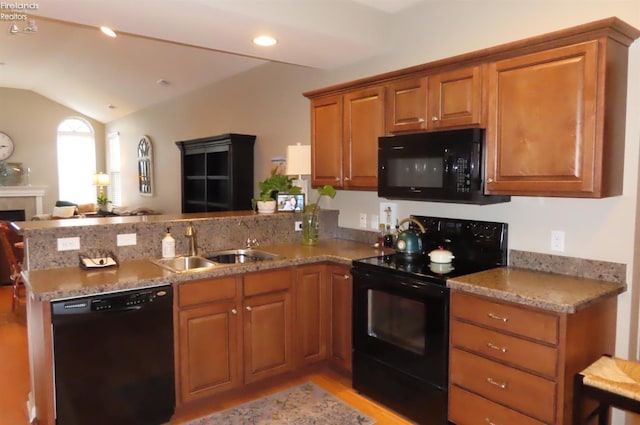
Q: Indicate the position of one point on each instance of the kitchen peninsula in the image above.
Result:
(304, 292)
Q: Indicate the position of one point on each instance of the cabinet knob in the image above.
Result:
(434, 119)
(490, 180)
(489, 421)
(346, 276)
(234, 311)
(248, 308)
(347, 179)
(420, 120)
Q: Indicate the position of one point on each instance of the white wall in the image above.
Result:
(32, 121)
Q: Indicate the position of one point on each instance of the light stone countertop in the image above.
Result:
(548, 291)
(68, 282)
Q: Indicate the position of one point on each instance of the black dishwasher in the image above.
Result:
(113, 358)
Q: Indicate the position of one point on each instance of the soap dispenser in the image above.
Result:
(168, 245)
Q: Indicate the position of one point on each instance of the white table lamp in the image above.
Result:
(299, 163)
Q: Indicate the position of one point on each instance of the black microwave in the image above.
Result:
(442, 166)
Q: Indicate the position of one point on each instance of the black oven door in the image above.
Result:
(403, 324)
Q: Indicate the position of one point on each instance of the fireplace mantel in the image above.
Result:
(36, 192)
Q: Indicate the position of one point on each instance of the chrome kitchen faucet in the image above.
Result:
(190, 233)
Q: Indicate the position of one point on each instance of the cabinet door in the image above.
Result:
(208, 350)
(406, 105)
(326, 141)
(455, 98)
(340, 284)
(363, 124)
(311, 314)
(267, 335)
(541, 134)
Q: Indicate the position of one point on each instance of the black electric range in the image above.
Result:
(401, 315)
(476, 246)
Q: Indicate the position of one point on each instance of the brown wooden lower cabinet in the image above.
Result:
(341, 284)
(236, 330)
(509, 363)
(311, 314)
(232, 331)
(209, 350)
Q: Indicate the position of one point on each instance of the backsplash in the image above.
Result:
(213, 234)
(571, 266)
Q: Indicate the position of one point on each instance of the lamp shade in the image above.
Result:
(101, 179)
(298, 160)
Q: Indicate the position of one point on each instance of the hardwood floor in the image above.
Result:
(14, 365)
(14, 381)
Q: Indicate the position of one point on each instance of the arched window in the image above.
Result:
(76, 161)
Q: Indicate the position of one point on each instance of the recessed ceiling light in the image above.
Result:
(264, 40)
(108, 31)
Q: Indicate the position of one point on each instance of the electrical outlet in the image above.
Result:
(68, 244)
(298, 226)
(557, 240)
(125, 239)
(374, 221)
(388, 213)
(363, 220)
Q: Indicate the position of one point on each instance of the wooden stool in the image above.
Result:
(610, 381)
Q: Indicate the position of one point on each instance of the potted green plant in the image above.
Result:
(270, 187)
(310, 223)
(102, 202)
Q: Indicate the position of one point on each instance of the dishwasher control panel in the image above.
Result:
(110, 302)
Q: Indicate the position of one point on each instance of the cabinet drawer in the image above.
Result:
(525, 354)
(265, 282)
(510, 318)
(206, 290)
(519, 390)
(466, 408)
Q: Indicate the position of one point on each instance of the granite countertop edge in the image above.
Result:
(543, 290)
(74, 282)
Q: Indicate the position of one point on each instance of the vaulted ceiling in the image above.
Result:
(186, 43)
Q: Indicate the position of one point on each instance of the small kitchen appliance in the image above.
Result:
(401, 314)
(439, 166)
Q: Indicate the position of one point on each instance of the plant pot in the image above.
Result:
(310, 229)
(266, 207)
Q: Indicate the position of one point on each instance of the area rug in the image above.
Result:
(306, 404)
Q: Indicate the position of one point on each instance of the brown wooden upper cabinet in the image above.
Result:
(556, 122)
(344, 145)
(406, 106)
(554, 109)
(435, 102)
(455, 98)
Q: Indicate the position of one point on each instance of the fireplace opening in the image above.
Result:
(12, 215)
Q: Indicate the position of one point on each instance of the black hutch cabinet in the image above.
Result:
(217, 173)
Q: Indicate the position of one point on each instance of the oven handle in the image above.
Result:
(365, 280)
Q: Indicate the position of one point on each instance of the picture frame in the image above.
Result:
(290, 203)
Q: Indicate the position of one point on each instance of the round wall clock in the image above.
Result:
(6, 146)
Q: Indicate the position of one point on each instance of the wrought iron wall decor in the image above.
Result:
(145, 166)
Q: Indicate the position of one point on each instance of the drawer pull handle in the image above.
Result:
(489, 421)
(496, 317)
(502, 385)
(495, 347)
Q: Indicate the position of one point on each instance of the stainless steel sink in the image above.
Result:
(184, 263)
(236, 256)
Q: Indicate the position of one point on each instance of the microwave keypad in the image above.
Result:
(462, 175)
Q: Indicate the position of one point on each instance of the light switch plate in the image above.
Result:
(126, 239)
